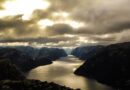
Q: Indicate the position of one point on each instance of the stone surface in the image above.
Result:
(30, 85)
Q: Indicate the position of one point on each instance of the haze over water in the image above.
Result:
(61, 72)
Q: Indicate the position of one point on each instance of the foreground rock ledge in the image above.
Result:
(30, 85)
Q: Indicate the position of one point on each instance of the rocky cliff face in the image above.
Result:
(30, 85)
(23, 61)
(111, 66)
(36, 53)
(86, 52)
(27, 58)
(9, 71)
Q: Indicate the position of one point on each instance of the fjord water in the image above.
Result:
(61, 72)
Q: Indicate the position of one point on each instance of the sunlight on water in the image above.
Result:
(61, 72)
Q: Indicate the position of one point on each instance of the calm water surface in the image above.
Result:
(61, 72)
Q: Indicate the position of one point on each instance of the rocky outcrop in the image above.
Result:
(111, 66)
(9, 71)
(23, 61)
(86, 52)
(30, 85)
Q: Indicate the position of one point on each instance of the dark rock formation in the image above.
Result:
(28, 50)
(111, 66)
(26, 57)
(9, 71)
(57, 53)
(51, 53)
(21, 59)
(42, 61)
(86, 52)
(38, 53)
(30, 85)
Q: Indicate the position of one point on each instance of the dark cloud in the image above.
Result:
(108, 38)
(59, 29)
(85, 30)
(14, 26)
(105, 28)
(40, 14)
(11, 21)
(56, 6)
(55, 39)
(103, 16)
(63, 5)
(119, 26)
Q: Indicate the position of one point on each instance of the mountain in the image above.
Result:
(111, 66)
(9, 71)
(26, 57)
(23, 61)
(36, 53)
(86, 52)
(51, 53)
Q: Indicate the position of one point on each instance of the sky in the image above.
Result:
(64, 23)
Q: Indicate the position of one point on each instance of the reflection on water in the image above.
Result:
(61, 72)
